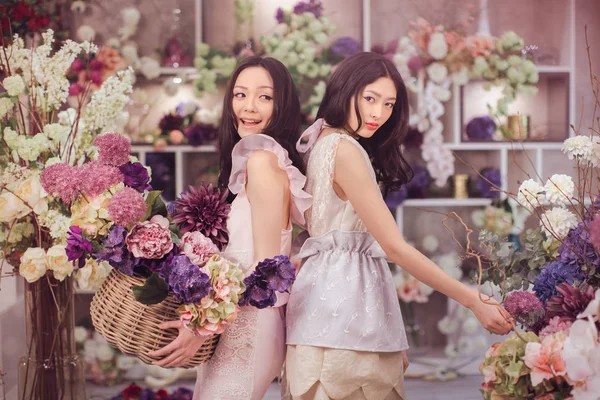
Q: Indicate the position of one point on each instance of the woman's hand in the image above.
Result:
(179, 351)
(491, 315)
(405, 362)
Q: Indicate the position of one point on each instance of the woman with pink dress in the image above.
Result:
(345, 333)
(260, 165)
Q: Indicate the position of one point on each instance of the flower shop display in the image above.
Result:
(48, 158)
(481, 128)
(188, 124)
(486, 182)
(433, 58)
(167, 267)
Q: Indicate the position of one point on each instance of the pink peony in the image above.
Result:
(113, 149)
(545, 359)
(150, 239)
(555, 325)
(126, 207)
(197, 247)
(61, 180)
(96, 178)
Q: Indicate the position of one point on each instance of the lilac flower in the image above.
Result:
(77, 246)
(311, 6)
(280, 15)
(187, 281)
(553, 275)
(271, 275)
(135, 175)
(345, 47)
(481, 128)
(484, 187)
(115, 251)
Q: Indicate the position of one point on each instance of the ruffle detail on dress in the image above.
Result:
(300, 201)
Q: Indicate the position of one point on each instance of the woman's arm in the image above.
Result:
(352, 175)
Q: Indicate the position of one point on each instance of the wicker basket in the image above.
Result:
(131, 326)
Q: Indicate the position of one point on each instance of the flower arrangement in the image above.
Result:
(188, 124)
(47, 162)
(432, 58)
(213, 66)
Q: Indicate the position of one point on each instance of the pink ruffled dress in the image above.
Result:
(252, 349)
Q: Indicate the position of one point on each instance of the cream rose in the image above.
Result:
(33, 194)
(11, 207)
(92, 275)
(33, 264)
(58, 262)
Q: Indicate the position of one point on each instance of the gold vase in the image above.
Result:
(459, 184)
(517, 127)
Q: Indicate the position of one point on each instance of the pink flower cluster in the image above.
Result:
(126, 207)
(150, 239)
(523, 305)
(113, 149)
(197, 247)
(67, 182)
(555, 325)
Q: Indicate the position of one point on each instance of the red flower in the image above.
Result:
(22, 11)
(161, 394)
(132, 392)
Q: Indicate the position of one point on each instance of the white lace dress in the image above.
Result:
(251, 351)
(345, 331)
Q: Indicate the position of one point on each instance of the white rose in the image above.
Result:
(92, 275)
(150, 68)
(437, 72)
(560, 189)
(86, 33)
(81, 334)
(33, 264)
(14, 85)
(34, 195)
(6, 105)
(59, 262)
(437, 48)
(11, 207)
(104, 352)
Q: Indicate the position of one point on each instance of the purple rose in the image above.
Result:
(135, 176)
(77, 246)
(187, 281)
(481, 128)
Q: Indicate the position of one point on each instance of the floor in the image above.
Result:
(463, 388)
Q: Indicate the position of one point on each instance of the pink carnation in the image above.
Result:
(150, 239)
(96, 178)
(197, 247)
(126, 207)
(61, 180)
(113, 149)
(556, 324)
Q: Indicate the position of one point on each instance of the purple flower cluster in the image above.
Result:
(187, 281)
(77, 246)
(481, 128)
(115, 251)
(197, 134)
(170, 122)
(345, 47)
(311, 6)
(271, 275)
(553, 275)
(484, 187)
(577, 248)
(394, 199)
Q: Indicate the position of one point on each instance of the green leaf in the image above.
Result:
(175, 239)
(155, 205)
(154, 291)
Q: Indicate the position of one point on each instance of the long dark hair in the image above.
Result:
(284, 125)
(347, 82)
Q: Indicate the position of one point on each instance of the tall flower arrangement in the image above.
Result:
(431, 58)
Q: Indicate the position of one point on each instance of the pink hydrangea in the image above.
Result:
(96, 178)
(126, 207)
(555, 325)
(61, 180)
(197, 247)
(113, 149)
(150, 239)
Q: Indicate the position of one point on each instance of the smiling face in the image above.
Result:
(252, 101)
(375, 104)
